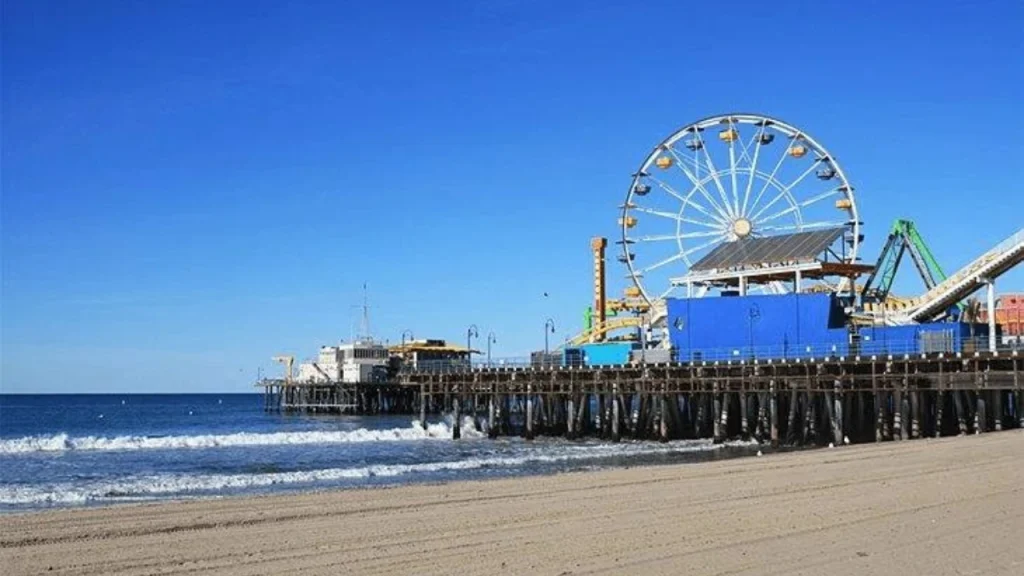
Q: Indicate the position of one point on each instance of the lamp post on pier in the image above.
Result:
(490, 340)
(549, 328)
(471, 332)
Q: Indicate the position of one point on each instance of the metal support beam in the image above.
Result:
(991, 306)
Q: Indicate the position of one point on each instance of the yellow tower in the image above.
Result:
(598, 245)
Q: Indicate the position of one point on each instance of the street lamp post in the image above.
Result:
(404, 353)
(471, 332)
(490, 340)
(549, 328)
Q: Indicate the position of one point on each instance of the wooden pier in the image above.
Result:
(829, 400)
(338, 397)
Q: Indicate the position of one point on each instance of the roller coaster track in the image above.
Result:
(607, 326)
(655, 318)
(963, 282)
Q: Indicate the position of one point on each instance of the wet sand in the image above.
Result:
(950, 506)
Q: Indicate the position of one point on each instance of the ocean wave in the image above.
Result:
(63, 442)
(190, 485)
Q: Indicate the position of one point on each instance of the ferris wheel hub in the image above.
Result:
(742, 227)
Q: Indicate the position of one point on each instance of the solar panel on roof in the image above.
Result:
(801, 246)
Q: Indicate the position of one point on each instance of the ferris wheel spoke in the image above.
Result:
(795, 207)
(712, 242)
(713, 225)
(771, 177)
(753, 169)
(745, 148)
(666, 261)
(732, 169)
(714, 175)
(722, 212)
(682, 255)
(685, 235)
(786, 190)
(676, 217)
(687, 201)
(800, 227)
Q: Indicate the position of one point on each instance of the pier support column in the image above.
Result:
(744, 416)
(662, 418)
(492, 408)
(456, 418)
(791, 421)
(616, 417)
(716, 413)
(997, 410)
(529, 410)
(837, 412)
(1017, 393)
(915, 414)
(570, 416)
(423, 405)
(958, 408)
(979, 399)
(774, 414)
(726, 400)
(879, 407)
(898, 429)
(979, 412)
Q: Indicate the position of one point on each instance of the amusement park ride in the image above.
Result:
(744, 205)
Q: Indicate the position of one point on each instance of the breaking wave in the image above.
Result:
(63, 442)
(194, 485)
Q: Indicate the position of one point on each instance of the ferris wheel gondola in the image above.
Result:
(724, 179)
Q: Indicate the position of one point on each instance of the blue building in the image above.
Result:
(769, 326)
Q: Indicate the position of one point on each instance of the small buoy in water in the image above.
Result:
(846, 439)
(219, 401)
(122, 402)
(759, 453)
(189, 412)
(831, 445)
(101, 416)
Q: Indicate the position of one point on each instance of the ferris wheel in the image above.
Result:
(724, 179)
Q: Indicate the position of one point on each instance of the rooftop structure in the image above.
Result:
(354, 362)
(763, 260)
(422, 354)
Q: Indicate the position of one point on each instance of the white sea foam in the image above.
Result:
(63, 442)
(185, 485)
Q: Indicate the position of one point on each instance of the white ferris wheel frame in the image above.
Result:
(723, 211)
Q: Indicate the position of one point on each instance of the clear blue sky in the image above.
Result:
(191, 187)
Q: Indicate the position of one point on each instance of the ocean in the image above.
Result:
(96, 449)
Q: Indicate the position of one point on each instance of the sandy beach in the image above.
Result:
(950, 506)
